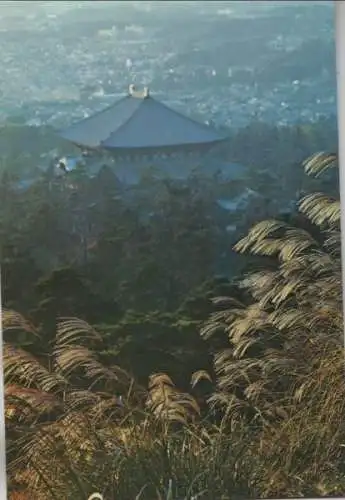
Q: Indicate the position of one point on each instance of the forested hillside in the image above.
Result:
(157, 380)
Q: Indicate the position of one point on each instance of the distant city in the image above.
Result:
(226, 63)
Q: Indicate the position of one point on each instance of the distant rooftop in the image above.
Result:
(139, 121)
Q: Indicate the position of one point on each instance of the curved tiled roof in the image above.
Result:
(139, 121)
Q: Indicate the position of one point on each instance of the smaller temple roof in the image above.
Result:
(138, 121)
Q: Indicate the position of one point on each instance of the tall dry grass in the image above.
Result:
(279, 388)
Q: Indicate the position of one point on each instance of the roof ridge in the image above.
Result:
(90, 117)
(186, 117)
(126, 121)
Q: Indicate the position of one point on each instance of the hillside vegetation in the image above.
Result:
(152, 353)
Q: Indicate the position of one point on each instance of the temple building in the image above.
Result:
(137, 131)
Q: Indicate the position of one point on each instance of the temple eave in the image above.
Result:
(149, 149)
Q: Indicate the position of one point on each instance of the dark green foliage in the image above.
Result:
(65, 292)
(18, 270)
(143, 261)
(148, 343)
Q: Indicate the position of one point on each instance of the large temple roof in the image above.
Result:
(138, 121)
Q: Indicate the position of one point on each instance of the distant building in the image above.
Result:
(139, 130)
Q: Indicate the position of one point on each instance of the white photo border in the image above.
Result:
(3, 474)
(340, 64)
